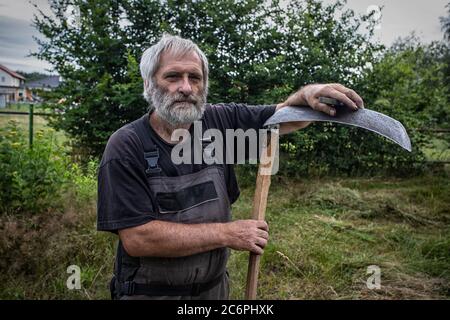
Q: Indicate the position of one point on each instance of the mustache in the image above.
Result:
(180, 98)
(187, 100)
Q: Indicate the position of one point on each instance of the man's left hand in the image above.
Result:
(309, 95)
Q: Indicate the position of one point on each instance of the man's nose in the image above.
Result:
(185, 87)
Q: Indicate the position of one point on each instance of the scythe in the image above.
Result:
(363, 118)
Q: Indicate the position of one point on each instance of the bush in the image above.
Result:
(258, 52)
(31, 179)
(84, 182)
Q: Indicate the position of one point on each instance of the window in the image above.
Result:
(3, 79)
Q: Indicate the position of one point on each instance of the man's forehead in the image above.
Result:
(171, 59)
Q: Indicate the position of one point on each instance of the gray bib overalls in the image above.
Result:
(199, 197)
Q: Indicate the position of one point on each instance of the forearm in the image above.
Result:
(289, 127)
(168, 239)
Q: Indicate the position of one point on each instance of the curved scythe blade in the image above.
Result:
(363, 118)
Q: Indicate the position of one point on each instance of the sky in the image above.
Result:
(398, 19)
(16, 35)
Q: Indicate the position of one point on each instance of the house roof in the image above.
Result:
(47, 82)
(11, 73)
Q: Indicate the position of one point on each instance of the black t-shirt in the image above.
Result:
(124, 196)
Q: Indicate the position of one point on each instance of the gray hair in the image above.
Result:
(176, 45)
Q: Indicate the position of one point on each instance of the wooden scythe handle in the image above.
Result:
(259, 207)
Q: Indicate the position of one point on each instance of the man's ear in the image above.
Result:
(146, 83)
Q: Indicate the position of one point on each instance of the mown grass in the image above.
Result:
(324, 233)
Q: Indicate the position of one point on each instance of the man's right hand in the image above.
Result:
(170, 239)
(249, 235)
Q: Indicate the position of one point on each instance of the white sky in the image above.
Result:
(399, 18)
(16, 33)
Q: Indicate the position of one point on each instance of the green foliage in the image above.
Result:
(84, 182)
(259, 53)
(445, 56)
(91, 56)
(32, 76)
(445, 23)
(408, 83)
(31, 180)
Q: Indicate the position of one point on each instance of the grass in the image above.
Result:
(23, 121)
(24, 107)
(39, 123)
(324, 233)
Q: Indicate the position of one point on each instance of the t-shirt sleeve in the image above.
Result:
(124, 198)
(242, 116)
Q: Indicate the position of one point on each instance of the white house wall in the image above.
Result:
(7, 80)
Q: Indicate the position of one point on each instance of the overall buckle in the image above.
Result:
(152, 158)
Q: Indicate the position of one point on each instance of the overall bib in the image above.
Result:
(199, 197)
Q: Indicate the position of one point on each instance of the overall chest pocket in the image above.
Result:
(186, 198)
(199, 197)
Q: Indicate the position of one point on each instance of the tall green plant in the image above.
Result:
(31, 179)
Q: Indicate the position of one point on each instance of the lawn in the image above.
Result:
(324, 233)
(39, 122)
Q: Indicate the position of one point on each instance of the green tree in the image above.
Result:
(32, 76)
(258, 51)
(409, 81)
(445, 23)
(91, 55)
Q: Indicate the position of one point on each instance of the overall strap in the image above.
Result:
(151, 152)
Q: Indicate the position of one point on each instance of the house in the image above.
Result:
(48, 83)
(12, 86)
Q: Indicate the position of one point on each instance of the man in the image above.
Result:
(174, 221)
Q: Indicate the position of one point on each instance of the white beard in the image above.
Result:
(190, 108)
